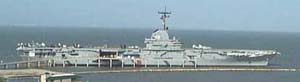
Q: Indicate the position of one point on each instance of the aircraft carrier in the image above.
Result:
(159, 49)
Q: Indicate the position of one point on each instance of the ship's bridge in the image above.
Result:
(160, 35)
(160, 40)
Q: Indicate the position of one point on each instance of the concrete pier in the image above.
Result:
(24, 73)
(45, 75)
(109, 63)
(53, 63)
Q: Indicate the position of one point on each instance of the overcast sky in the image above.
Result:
(258, 15)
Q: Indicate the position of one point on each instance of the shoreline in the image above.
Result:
(20, 73)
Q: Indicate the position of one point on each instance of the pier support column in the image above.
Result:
(53, 63)
(64, 65)
(5, 66)
(99, 63)
(145, 63)
(87, 64)
(28, 64)
(183, 63)
(158, 63)
(134, 62)
(75, 63)
(110, 63)
(195, 63)
(17, 65)
(49, 63)
(171, 63)
(39, 64)
(122, 63)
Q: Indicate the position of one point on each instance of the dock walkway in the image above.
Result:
(24, 73)
(46, 63)
(52, 63)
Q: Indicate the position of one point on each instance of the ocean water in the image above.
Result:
(286, 43)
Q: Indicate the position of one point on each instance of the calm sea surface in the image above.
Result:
(286, 43)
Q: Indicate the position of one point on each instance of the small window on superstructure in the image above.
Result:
(74, 54)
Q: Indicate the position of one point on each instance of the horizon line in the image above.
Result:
(137, 27)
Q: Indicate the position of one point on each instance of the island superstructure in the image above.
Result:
(159, 49)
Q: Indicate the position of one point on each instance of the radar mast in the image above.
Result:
(164, 16)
